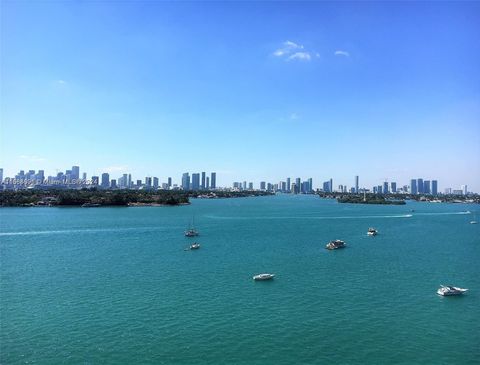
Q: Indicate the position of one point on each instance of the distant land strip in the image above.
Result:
(99, 198)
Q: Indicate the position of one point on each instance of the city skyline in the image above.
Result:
(201, 181)
(381, 90)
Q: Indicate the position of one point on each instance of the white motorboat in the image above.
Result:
(372, 232)
(446, 290)
(265, 276)
(333, 245)
(195, 246)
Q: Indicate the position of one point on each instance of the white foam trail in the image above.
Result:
(307, 217)
(93, 230)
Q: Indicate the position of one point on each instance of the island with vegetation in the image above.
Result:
(369, 199)
(97, 197)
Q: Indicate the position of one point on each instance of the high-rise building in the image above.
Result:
(250, 186)
(1, 176)
(356, 184)
(203, 180)
(84, 176)
(155, 182)
(464, 190)
(298, 183)
(413, 186)
(434, 187)
(213, 181)
(310, 185)
(105, 180)
(186, 181)
(393, 186)
(262, 185)
(288, 184)
(195, 181)
(326, 186)
(75, 173)
(244, 185)
(148, 181)
(207, 186)
(95, 180)
(385, 188)
(129, 181)
(426, 187)
(139, 183)
(420, 185)
(169, 182)
(113, 184)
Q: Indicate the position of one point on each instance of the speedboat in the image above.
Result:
(333, 245)
(261, 277)
(473, 222)
(372, 232)
(195, 246)
(446, 290)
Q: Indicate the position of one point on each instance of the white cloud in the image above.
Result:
(303, 56)
(61, 82)
(294, 116)
(342, 53)
(32, 158)
(288, 47)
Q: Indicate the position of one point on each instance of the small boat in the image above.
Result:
(261, 277)
(195, 246)
(474, 221)
(372, 232)
(333, 245)
(90, 205)
(191, 231)
(446, 290)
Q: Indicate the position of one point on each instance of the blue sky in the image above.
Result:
(253, 90)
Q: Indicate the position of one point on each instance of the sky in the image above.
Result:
(256, 91)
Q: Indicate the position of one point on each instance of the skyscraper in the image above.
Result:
(413, 186)
(169, 182)
(75, 172)
(129, 181)
(298, 184)
(356, 184)
(155, 182)
(434, 187)
(420, 185)
(464, 190)
(203, 180)
(426, 186)
(310, 185)
(1, 176)
(288, 184)
(186, 181)
(195, 181)
(213, 181)
(385, 188)
(262, 185)
(393, 186)
(207, 186)
(105, 180)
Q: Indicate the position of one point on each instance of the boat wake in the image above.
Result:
(309, 217)
(68, 231)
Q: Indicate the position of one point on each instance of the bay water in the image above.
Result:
(116, 285)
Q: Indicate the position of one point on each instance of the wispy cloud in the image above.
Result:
(293, 51)
(32, 158)
(294, 116)
(61, 82)
(342, 53)
(303, 56)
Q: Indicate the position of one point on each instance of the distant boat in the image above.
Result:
(90, 205)
(195, 246)
(262, 277)
(333, 245)
(372, 232)
(191, 231)
(446, 290)
(474, 221)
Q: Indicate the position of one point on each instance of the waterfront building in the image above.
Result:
(213, 181)
(393, 186)
(148, 181)
(420, 185)
(269, 186)
(169, 182)
(283, 187)
(244, 185)
(139, 183)
(298, 185)
(356, 184)
(105, 180)
(464, 189)
(250, 186)
(155, 182)
(186, 181)
(207, 186)
(195, 181)
(75, 174)
(113, 184)
(385, 188)
(326, 187)
(426, 187)
(203, 180)
(262, 185)
(434, 187)
(310, 185)
(379, 189)
(1, 175)
(95, 180)
(129, 181)
(457, 192)
(84, 176)
(288, 184)
(413, 186)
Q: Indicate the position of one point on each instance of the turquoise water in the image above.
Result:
(114, 285)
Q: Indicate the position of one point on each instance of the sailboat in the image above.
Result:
(191, 231)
